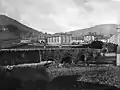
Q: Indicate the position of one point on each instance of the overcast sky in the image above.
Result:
(62, 15)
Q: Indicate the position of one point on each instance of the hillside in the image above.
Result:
(20, 28)
(15, 30)
(104, 29)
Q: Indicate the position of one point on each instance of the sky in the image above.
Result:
(54, 16)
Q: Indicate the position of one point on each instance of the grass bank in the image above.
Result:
(109, 75)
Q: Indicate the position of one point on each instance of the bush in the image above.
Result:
(66, 58)
(97, 44)
(111, 47)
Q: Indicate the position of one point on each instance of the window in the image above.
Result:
(48, 40)
(52, 39)
(57, 39)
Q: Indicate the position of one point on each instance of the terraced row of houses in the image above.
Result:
(68, 39)
(64, 38)
(59, 39)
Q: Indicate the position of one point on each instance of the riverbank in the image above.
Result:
(108, 75)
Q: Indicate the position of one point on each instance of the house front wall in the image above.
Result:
(113, 39)
(74, 40)
(25, 41)
(54, 40)
(66, 39)
(60, 39)
(89, 38)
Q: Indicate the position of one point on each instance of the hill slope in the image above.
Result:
(104, 29)
(15, 30)
(20, 28)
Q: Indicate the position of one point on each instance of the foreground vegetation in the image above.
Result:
(109, 75)
(96, 77)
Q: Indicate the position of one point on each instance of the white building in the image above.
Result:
(59, 39)
(113, 39)
(77, 40)
(25, 41)
(89, 38)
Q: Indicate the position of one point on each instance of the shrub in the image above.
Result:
(111, 47)
(66, 58)
(97, 44)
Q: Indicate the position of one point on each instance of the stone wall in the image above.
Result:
(33, 56)
(58, 54)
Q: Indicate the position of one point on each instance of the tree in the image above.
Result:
(96, 44)
(67, 58)
(111, 47)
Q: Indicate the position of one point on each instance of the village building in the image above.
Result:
(40, 38)
(104, 39)
(114, 39)
(59, 39)
(77, 40)
(96, 37)
(89, 38)
(25, 41)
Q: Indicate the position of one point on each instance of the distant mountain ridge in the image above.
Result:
(104, 29)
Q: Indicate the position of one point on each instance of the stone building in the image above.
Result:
(60, 39)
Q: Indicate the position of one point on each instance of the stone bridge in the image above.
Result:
(35, 55)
